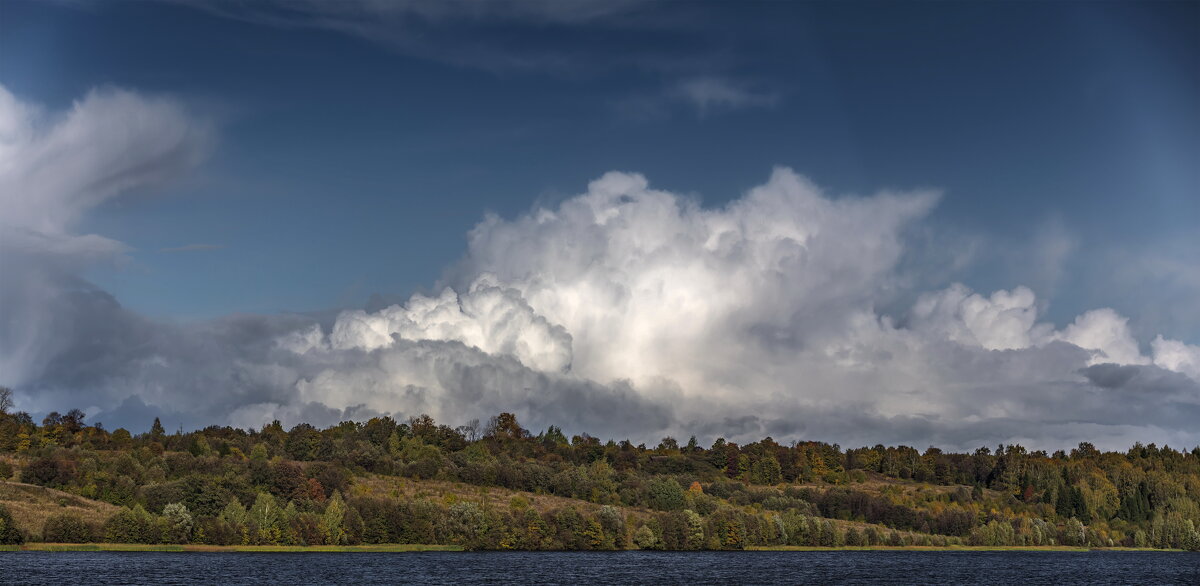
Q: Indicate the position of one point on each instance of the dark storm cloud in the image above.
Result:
(1140, 379)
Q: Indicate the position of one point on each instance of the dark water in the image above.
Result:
(843, 567)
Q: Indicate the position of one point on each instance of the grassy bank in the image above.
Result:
(1048, 548)
(411, 547)
(382, 548)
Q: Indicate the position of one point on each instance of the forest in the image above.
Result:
(497, 485)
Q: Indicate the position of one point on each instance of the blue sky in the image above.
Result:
(348, 167)
(355, 147)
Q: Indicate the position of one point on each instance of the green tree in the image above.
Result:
(157, 433)
(644, 538)
(267, 519)
(766, 471)
(613, 524)
(694, 537)
(467, 524)
(178, 523)
(333, 520)
(665, 494)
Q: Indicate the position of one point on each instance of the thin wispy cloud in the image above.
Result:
(708, 94)
(472, 33)
(700, 96)
(193, 248)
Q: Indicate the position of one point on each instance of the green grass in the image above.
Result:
(382, 548)
(385, 548)
(947, 548)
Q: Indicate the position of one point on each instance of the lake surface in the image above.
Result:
(632, 567)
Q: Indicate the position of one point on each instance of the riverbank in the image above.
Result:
(1014, 548)
(382, 548)
(416, 547)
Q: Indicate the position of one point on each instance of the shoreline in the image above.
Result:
(417, 548)
(966, 548)
(198, 548)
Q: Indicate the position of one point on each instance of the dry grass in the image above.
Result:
(493, 497)
(503, 499)
(31, 505)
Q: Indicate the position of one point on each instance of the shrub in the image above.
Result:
(217, 531)
(9, 534)
(68, 528)
(134, 525)
(644, 538)
(48, 472)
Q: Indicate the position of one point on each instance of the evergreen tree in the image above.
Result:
(9, 534)
(156, 430)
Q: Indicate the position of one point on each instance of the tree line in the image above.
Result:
(307, 486)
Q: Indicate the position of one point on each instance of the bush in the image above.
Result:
(68, 528)
(48, 472)
(9, 534)
(217, 531)
(133, 526)
(644, 538)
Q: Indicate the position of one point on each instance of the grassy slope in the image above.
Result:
(502, 498)
(491, 496)
(31, 505)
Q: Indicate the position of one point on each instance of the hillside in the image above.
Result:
(31, 505)
(500, 486)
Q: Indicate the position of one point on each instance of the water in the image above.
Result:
(843, 567)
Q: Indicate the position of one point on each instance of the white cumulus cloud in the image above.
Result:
(626, 310)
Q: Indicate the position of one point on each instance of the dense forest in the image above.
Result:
(500, 486)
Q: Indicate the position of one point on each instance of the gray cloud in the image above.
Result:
(53, 170)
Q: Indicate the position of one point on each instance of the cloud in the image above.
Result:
(758, 318)
(626, 310)
(1106, 332)
(712, 93)
(193, 248)
(504, 36)
(706, 96)
(492, 318)
(54, 168)
(1003, 321)
(1177, 356)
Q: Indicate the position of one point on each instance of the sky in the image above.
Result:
(949, 224)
